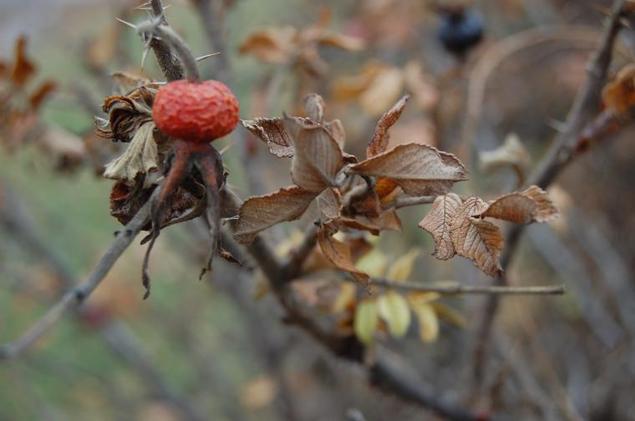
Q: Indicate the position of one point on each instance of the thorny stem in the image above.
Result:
(156, 28)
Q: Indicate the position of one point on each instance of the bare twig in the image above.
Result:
(454, 289)
(76, 296)
(584, 108)
(169, 63)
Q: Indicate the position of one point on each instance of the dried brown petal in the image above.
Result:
(420, 170)
(261, 212)
(438, 221)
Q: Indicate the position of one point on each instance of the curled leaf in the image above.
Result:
(527, 206)
(438, 222)
(511, 153)
(339, 254)
(394, 310)
(381, 137)
(318, 157)
(619, 94)
(420, 170)
(366, 320)
(478, 240)
(261, 212)
(272, 131)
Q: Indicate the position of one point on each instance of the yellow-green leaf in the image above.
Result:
(393, 308)
(366, 320)
(449, 314)
(428, 322)
(400, 270)
(373, 263)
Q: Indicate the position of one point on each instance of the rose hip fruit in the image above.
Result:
(197, 112)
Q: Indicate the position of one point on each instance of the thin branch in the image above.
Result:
(456, 289)
(76, 296)
(584, 108)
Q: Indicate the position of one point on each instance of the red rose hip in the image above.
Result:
(197, 112)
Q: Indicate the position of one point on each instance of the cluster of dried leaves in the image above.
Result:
(354, 195)
(298, 47)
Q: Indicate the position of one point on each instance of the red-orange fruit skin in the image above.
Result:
(197, 112)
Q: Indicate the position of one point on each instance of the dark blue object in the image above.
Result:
(460, 30)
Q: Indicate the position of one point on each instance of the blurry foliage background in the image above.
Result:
(207, 347)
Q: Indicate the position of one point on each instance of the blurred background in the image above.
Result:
(218, 349)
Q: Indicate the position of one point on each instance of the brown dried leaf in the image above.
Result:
(261, 212)
(421, 86)
(383, 91)
(273, 132)
(41, 93)
(420, 170)
(619, 94)
(318, 157)
(478, 240)
(512, 152)
(314, 107)
(344, 42)
(270, 45)
(329, 203)
(339, 254)
(438, 221)
(102, 49)
(351, 87)
(23, 68)
(379, 141)
(525, 207)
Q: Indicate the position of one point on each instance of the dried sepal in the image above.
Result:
(261, 212)
(476, 239)
(438, 222)
(126, 113)
(140, 157)
(420, 170)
